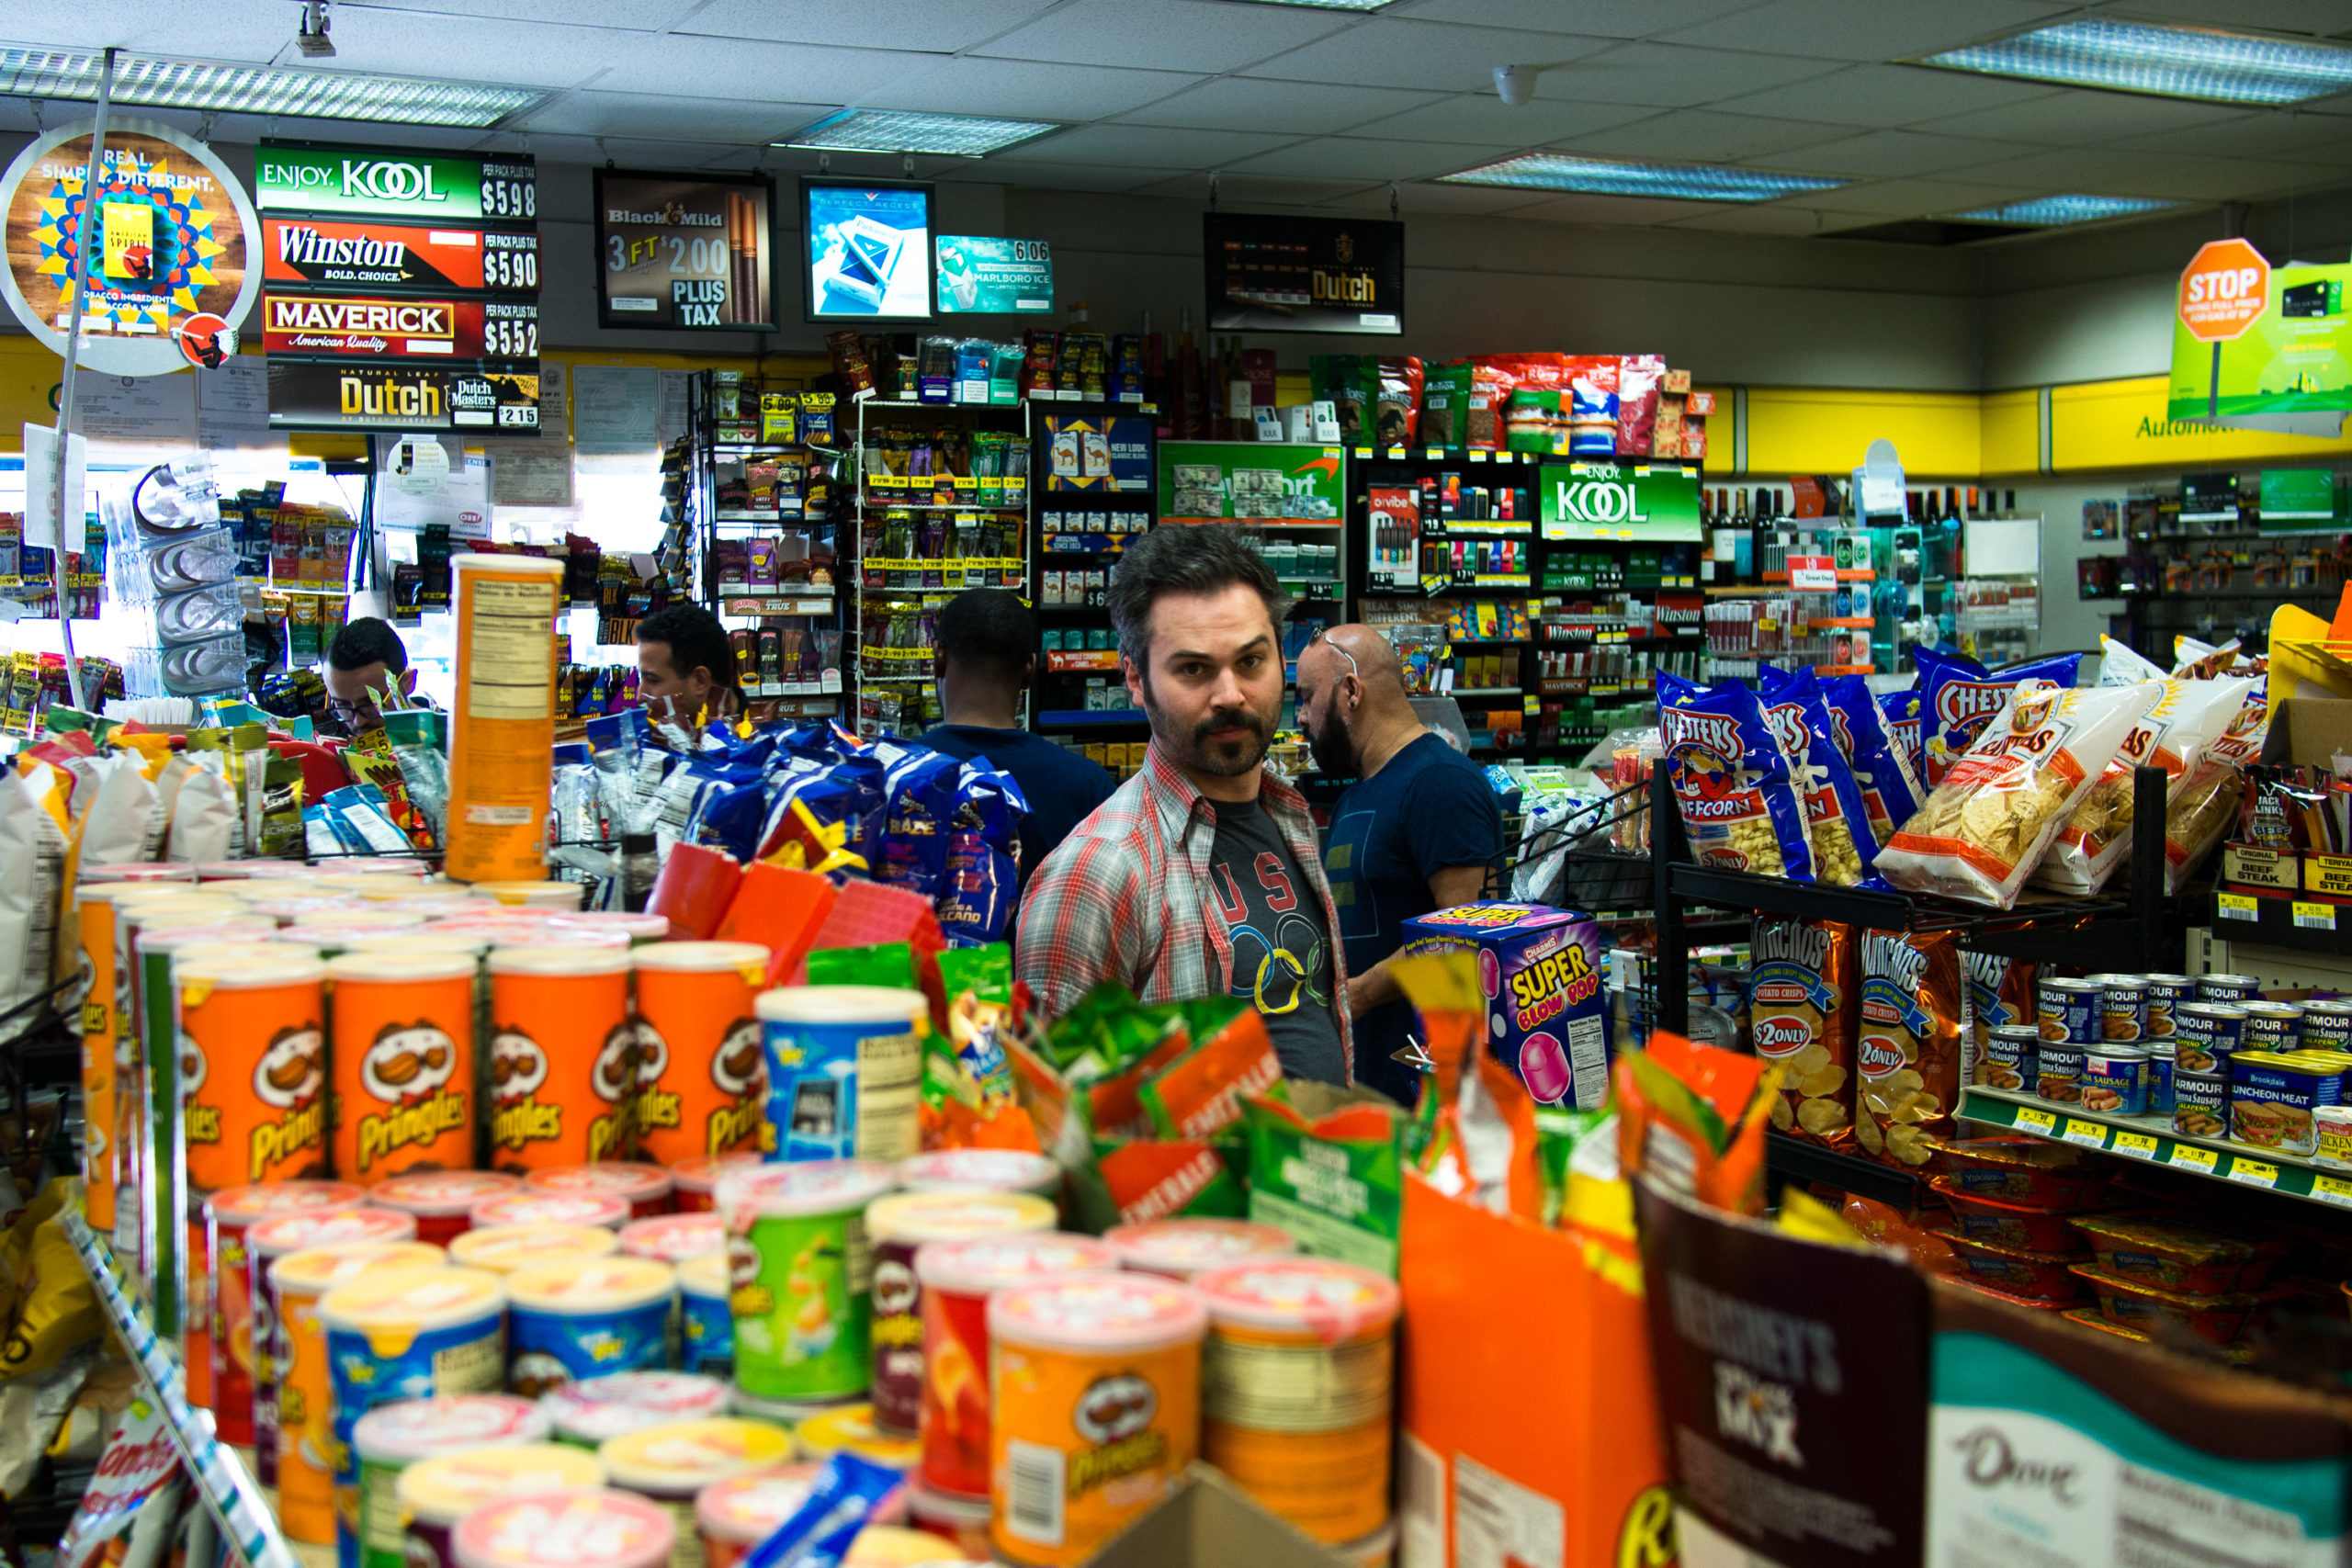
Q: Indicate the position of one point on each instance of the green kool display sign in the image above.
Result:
(1620, 500)
(387, 182)
(2293, 356)
(980, 275)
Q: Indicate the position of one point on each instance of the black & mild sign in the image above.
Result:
(1304, 275)
(684, 251)
(398, 223)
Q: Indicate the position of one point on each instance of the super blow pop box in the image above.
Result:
(1546, 1015)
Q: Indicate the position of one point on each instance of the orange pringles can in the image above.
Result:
(702, 1067)
(562, 1062)
(404, 1063)
(253, 1067)
(220, 1315)
(305, 1391)
(502, 726)
(1098, 1409)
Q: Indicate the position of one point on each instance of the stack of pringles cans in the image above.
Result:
(2207, 1058)
(507, 1224)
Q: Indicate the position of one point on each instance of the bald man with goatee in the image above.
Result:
(1417, 831)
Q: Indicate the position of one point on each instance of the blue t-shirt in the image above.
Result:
(1063, 788)
(1429, 808)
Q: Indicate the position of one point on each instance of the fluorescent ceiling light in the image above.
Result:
(1608, 176)
(1330, 5)
(145, 82)
(2051, 212)
(903, 130)
(2176, 63)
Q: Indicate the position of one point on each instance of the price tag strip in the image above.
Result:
(2292, 1178)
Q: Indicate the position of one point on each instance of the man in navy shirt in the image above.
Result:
(1417, 831)
(987, 656)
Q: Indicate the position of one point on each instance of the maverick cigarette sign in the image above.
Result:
(401, 328)
(398, 256)
(1620, 500)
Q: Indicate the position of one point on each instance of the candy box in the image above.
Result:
(1539, 967)
(2043, 1276)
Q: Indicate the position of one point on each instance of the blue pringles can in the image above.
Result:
(706, 1324)
(844, 1070)
(587, 1319)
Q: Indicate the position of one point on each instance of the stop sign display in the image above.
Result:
(2223, 291)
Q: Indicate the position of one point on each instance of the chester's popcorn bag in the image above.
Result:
(1985, 826)
(1958, 698)
(1838, 821)
(2000, 991)
(1913, 1010)
(1801, 1015)
(1900, 710)
(1881, 763)
(1740, 807)
(2185, 717)
(2206, 802)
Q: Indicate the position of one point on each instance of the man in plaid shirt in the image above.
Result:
(1202, 875)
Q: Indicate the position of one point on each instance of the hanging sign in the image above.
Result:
(170, 237)
(981, 275)
(686, 251)
(363, 327)
(393, 182)
(363, 254)
(322, 395)
(1304, 275)
(1619, 500)
(2260, 347)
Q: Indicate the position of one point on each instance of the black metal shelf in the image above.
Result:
(1794, 1159)
(2283, 919)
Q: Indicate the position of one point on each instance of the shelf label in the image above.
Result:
(2314, 916)
(2138, 1146)
(2252, 1172)
(2333, 1189)
(1812, 574)
(2041, 1122)
(2236, 907)
(2189, 1156)
(2092, 1134)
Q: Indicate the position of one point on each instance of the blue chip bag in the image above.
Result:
(913, 849)
(1733, 786)
(1892, 792)
(1958, 698)
(1838, 820)
(983, 855)
(1902, 713)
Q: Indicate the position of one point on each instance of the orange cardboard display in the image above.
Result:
(1526, 1384)
(780, 908)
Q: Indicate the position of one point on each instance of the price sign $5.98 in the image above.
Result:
(503, 197)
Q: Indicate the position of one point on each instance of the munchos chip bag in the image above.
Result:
(1801, 1017)
(1958, 698)
(1880, 761)
(1838, 821)
(1739, 804)
(1907, 1048)
(1985, 828)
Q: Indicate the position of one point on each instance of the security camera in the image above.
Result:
(310, 33)
(1516, 84)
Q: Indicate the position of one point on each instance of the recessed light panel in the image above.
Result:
(903, 130)
(1606, 176)
(2051, 212)
(145, 82)
(2175, 62)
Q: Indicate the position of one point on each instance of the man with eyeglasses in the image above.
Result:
(366, 659)
(1418, 830)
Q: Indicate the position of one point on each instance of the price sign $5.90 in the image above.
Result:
(510, 269)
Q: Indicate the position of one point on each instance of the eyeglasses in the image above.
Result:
(1335, 647)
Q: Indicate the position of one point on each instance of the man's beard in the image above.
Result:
(1333, 747)
(1194, 748)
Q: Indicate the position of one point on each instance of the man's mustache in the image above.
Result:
(1231, 719)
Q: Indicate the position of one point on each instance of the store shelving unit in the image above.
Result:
(1064, 536)
(2152, 1138)
(2125, 934)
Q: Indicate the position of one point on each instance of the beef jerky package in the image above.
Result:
(1914, 1007)
(1880, 763)
(1837, 820)
(1740, 807)
(2000, 994)
(1397, 416)
(1802, 998)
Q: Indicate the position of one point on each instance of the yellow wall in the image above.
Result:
(2123, 424)
(2012, 432)
(1808, 430)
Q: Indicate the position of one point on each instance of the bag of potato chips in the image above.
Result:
(2185, 717)
(1837, 822)
(1880, 763)
(2206, 801)
(1985, 828)
(1739, 804)
(1800, 1014)
(1958, 698)
(1907, 1049)
(2000, 992)
(1901, 712)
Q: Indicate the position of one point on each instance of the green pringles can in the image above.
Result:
(799, 1273)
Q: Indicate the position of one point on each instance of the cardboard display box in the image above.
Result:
(1205, 1521)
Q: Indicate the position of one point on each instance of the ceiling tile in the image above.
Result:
(2271, 16)
(1879, 154)
(1911, 199)
(1575, 208)
(2114, 171)
(1886, 96)
(241, 128)
(1258, 190)
(2074, 116)
(1596, 18)
(1235, 103)
(251, 31)
(867, 24)
(641, 16)
(1701, 136)
(1382, 52)
(1143, 146)
(1450, 200)
(1347, 157)
(1484, 119)
(687, 65)
(1167, 35)
(1102, 180)
(1028, 89)
(1669, 76)
(629, 153)
(592, 113)
(425, 43)
(1769, 218)
(1867, 29)
(2302, 137)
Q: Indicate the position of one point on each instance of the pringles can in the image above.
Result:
(694, 1180)
(644, 1187)
(1098, 1409)
(220, 1319)
(896, 1226)
(391, 1437)
(562, 1060)
(502, 1249)
(253, 1069)
(281, 1235)
(844, 1070)
(502, 725)
(702, 1072)
(800, 1274)
(529, 1208)
(404, 1063)
(566, 1321)
(435, 1495)
(441, 1201)
(675, 1464)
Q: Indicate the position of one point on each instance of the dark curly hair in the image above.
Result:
(1185, 557)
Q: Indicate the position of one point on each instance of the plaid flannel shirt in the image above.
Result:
(1127, 898)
